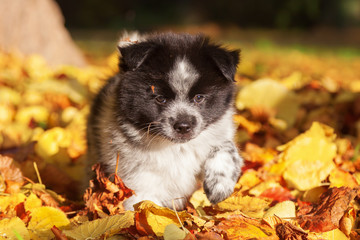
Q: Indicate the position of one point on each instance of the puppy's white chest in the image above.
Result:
(167, 174)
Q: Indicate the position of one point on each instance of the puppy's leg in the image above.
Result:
(222, 170)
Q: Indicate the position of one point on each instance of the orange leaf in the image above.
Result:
(340, 178)
(241, 227)
(277, 194)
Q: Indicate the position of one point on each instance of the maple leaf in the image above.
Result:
(326, 215)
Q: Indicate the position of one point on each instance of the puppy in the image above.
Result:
(168, 114)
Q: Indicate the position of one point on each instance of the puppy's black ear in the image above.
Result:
(225, 60)
(133, 55)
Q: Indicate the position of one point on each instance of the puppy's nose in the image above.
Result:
(182, 127)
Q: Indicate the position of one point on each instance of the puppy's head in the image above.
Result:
(175, 85)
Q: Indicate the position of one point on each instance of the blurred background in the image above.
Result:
(299, 58)
(318, 23)
(145, 15)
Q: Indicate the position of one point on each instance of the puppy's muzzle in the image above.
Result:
(184, 126)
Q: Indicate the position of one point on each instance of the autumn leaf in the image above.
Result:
(102, 227)
(326, 215)
(241, 227)
(284, 209)
(104, 196)
(43, 219)
(10, 174)
(251, 206)
(287, 231)
(272, 96)
(341, 178)
(173, 232)
(10, 227)
(153, 219)
(309, 157)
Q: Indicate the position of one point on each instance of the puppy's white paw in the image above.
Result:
(217, 189)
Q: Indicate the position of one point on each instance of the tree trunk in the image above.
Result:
(37, 27)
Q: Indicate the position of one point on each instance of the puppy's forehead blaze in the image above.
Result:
(182, 76)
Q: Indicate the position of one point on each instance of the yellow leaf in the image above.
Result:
(10, 228)
(43, 219)
(159, 217)
(199, 199)
(284, 209)
(51, 142)
(69, 114)
(251, 206)
(272, 96)
(9, 96)
(7, 113)
(294, 81)
(248, 180)
(32, 201)
(260, 188)
(10, 201)
(340, 178)
(309, 157)
(105, 226)
(335, 234)
(313, 195)
(37, 113)
(14, 135)
(251, 127)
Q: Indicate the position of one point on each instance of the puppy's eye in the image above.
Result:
(160, 99)
(199, 98)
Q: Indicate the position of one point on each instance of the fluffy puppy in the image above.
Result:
(168, 114)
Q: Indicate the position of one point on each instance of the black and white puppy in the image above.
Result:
(168, 114)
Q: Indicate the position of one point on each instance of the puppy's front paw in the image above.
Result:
(217, 191)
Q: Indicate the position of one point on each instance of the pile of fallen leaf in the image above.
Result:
(298, 119)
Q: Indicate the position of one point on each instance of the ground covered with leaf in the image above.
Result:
(298, 120)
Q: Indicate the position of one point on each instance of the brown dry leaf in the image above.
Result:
(287, 231)
(208, 236)
(10, 174)
(58, 234)
(308, 159)
(241, 227)
(104, 196)
(326, 215)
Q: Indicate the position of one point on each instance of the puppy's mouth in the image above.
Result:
(182, 138)
(176, 136)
